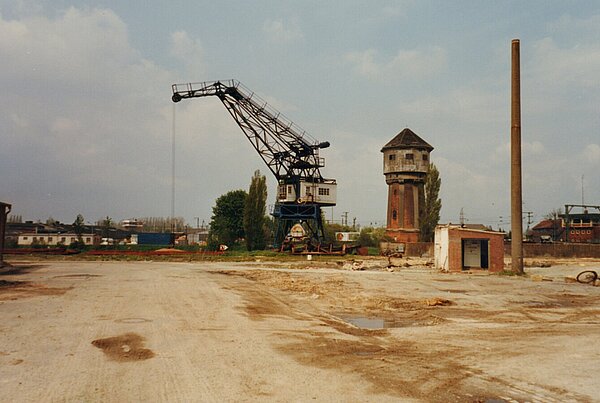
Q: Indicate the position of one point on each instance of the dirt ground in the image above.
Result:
(296, 331)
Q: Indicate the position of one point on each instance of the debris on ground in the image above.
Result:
(438, 302)
(539, 277)
(354, 265)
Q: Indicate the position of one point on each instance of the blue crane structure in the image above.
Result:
(290, 153)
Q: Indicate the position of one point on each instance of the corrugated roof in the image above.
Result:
(407, 139)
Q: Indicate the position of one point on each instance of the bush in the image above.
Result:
(11, 244)
(77, 245)
(371, 237)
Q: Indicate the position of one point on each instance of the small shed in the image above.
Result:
(458, 248)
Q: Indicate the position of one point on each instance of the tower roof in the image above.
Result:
(407, 139)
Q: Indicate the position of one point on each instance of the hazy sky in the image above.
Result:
(86, 116)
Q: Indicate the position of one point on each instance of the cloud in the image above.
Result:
(406, 64)
(530, 149)
(80, 107)
(564, 67)
(279, 31)
(70, 49)
(465, 104)
(188, 51)
(592, 153)
(65, 125)
(569, 25)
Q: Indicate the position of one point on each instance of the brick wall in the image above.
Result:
(566, 250)
(495, 244)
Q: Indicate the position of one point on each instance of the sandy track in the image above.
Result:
(100, 331)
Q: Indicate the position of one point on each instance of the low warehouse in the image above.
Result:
(458, 248)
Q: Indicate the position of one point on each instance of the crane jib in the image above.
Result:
(290, 153)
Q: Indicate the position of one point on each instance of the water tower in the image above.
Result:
(405, 162)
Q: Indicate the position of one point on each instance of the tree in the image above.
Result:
(106, 226)
(15, 219)
(430, 215)
(78, 226)
(162, 224)
(254, 212)
(331, 228)
(554, 214)
(226, 225)
(370, 236)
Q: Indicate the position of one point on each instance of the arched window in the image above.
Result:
(394, 215)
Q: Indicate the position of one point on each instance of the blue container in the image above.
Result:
(155, 238)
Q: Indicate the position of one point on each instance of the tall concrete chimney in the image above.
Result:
(516, 192)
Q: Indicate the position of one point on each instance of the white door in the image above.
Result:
(472, 253)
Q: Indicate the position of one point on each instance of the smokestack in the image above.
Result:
(516, 193)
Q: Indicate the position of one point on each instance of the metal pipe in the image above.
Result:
(515, 168)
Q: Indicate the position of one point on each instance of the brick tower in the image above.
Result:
(405, 162)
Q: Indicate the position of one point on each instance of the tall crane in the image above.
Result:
(290, 153)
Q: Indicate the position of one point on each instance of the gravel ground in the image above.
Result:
(304, 331)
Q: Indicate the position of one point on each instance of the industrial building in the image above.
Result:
(405, 164)
(573, 227)
(53, 239)
(457, 248)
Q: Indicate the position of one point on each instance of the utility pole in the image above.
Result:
(345, 218)
(516, 190)
(582, 200)
(529, 216)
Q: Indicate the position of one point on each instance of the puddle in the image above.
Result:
(126, 347)
(365, 323)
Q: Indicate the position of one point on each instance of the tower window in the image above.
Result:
(409, 156)
(392, 157)
(425, 157)
(394, 215)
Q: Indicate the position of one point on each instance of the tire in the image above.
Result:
(587, 277)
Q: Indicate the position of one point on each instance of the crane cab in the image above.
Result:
(323, 193)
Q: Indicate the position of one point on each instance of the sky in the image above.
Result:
(86, 120)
